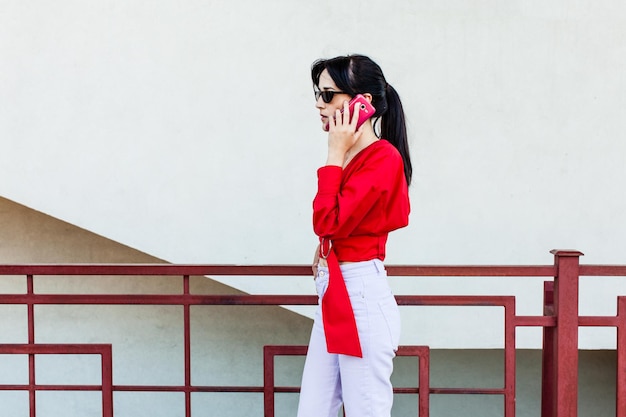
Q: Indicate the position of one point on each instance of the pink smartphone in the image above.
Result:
(366, 110)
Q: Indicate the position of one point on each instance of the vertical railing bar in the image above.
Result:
(509, 358)
(547, 355)
(107, 382)
(268, 381)
(31, 340)
(424, 383)
(31, 309)
(621, 358)
(187, 342)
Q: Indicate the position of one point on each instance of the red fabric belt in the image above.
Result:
(340, 328)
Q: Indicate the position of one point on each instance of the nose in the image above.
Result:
(320, 104)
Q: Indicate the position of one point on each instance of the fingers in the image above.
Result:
(316, 259)
(343, 117)
(340, 115)
(350, 119)
(355, 116)
(336, 120)
(342, 131)
(346, 113)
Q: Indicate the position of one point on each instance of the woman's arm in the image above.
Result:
(342, 204)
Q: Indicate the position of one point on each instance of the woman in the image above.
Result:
(362, 196)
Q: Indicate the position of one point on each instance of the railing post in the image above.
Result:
(565, 399)
(547, 355)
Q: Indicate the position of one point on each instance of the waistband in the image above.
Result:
(374, 268)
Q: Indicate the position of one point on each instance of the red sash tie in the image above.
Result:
(340, 328)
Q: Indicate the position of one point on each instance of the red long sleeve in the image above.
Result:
(369, 198)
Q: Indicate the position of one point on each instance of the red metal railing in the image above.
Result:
(560, 323)
(270, 352)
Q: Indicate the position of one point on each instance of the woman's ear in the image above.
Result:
(368, 97)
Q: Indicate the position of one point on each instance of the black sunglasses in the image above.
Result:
(327, 95)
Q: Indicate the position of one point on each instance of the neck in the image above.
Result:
(367, 138)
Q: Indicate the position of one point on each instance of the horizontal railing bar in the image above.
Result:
(286, 389)
(153, 269)
(299, 270)
(471, 270)
(147, 299)
(190, 299)
(539, 321)
(48, 387)
(406, 390)
(178, 300)
(18, 387)
(133, 388)
(286, 350)
(233, 389)
(226, 389)
(55, 349)
(602, 270)
(396, 390)
(600, 321)
(272, 270)
(182, 388)
(484, 391)
(455, 300)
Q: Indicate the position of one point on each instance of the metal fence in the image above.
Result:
(560, 323)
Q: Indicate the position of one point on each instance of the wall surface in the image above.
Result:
(187, 130)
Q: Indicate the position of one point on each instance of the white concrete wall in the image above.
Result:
(187, 130)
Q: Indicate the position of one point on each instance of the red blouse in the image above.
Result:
(353, 212)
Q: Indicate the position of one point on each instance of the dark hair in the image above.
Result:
(358, 74)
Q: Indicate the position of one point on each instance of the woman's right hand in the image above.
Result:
(342, 134)
(317, 262)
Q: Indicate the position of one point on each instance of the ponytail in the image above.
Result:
(393, 129)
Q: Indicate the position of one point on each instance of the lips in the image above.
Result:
(325, 123)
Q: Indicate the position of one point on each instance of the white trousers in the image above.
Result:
(362, 385)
